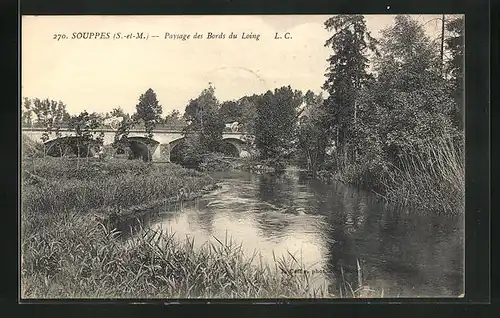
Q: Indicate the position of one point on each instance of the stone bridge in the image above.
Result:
(161, 145)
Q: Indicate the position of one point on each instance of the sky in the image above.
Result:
(98, 75)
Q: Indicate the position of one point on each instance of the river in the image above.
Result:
(331, 229)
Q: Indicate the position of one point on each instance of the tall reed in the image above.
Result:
(81, 258)
(431, 179)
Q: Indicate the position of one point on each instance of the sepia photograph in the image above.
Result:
(242, 157)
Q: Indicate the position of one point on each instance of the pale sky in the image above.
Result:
(99, 74)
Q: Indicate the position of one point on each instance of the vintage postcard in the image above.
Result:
(248, 156)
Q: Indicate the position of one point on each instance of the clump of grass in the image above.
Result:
(433, 179)
(80, 258)
(104, 185)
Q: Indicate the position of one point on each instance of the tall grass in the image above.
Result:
(103, 185)
(432, 179)
(80, 257)
(68, 252)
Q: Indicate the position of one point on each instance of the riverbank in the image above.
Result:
(70, 250)
(430, 180)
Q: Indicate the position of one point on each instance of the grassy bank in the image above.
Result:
(79, 258)
(68, 252)
(430, 179)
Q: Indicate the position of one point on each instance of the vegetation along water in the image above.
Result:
(357, 194)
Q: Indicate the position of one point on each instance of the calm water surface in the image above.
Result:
(329, 228)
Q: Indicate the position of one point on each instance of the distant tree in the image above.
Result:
(202, 114)
(230, 111)
(276, 123)
(148, 111)
(119, 112)
(248, 106)
(175, 120)
(347, 71)
(27, 113)
(311, 132)
(455, 67)
(122, 132)
(85, 126)
(50, 114)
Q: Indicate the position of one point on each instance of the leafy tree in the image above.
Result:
(248, 106)
(202, 114)
(230, 111)
(276, 123)
(312, 137)
(149, 111)
(50, 114)
(455, 67)
(27, 113)
(175, 120)
(119, 112)
(347, 71)
(122, 132)
(85, 126)
(409, 103)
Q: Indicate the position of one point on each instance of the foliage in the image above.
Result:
(413, 105)
(230, 111)
(311, 132)
(347, 70)
(119, 112)
(248, 106)
(403, 116)
(49, 114)
(85, 126)
(31, 149)
(431, 179)
(122, 132)
(174, 120)
(205, 124)
(149, 111)
(455, 43)
(276, 123)
(191, 150)
(75, 256)
(98, 185)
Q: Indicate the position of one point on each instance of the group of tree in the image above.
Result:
(405, 101)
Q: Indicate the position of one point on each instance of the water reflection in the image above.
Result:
(330, 227)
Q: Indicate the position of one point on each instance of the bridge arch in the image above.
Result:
(142, 147)
(235, 146)
(67, 145)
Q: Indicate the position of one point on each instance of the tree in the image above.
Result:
(174, 120)
(347, 71)
(119, 112)
(410, 100)
(248, 106)
(87, 137)
(202, 114)
(50, 114)
(230, 111)
(455, 67)
(311, 132)
(149, 111)
(276, 123)
(27, 113)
